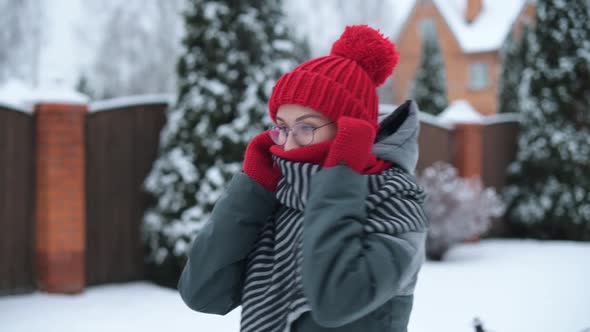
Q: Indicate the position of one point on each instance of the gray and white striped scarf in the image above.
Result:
(272, 297)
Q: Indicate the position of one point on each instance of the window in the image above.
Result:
(478, 76)
(427, 28)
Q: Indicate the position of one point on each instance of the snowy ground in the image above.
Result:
(512, 286)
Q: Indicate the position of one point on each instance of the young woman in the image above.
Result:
(324, 229)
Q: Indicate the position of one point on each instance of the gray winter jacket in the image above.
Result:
(362, 285)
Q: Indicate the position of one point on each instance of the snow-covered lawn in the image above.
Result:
(511, 285)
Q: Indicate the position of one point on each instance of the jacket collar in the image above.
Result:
(397, 138)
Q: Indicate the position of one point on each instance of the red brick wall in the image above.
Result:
(468, 153)
(60, 197)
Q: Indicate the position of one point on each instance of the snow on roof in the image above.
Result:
(138, 100)
(22, 96)
(489, 29)
(460, 111)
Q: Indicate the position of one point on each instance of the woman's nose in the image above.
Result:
(290, 144)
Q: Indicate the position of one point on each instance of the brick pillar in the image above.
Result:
(60, 197)
(468, 153)
(468, 149)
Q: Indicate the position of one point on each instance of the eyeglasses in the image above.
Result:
(302, 133)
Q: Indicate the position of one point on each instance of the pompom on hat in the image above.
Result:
(344, 82)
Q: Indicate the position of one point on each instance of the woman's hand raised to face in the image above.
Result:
(258, 162)
(353, 144)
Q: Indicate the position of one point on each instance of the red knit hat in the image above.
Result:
(344, 82)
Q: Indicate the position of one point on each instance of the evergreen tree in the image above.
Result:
(233, 56)
(548, 192)
(430, 88)
(509, 77)
(83, 86)
(513, 61)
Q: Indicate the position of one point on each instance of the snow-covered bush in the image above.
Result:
(458, 208)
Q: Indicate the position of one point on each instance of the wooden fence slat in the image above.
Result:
(5, 275)
(436, 143)
(16, 201)
(500, 142)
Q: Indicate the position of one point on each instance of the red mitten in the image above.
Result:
(258, 163)
(353, 144)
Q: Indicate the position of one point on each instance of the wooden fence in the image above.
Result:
(499, 147)
(495, 141)
(499, 137)
(121, 147)
(16, 201)
(121, 142)
(436, 144)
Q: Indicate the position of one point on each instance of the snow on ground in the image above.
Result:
(511, 285)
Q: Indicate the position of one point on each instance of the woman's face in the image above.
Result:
(290, 114)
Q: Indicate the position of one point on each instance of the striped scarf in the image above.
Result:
(272, 296)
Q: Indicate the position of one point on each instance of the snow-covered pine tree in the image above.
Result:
(548, 192)
(513, 60)
(509, 77)
(429, 89)
(233, 55)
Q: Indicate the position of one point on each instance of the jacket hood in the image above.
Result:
(397, 138)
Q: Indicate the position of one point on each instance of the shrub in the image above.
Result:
(458, 208)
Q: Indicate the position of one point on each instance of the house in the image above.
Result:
(471, 34)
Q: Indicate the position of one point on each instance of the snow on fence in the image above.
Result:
(130, 101)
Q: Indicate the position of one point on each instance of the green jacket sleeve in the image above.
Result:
(347, 272)
(211, 280)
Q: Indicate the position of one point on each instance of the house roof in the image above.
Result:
(487, 32)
